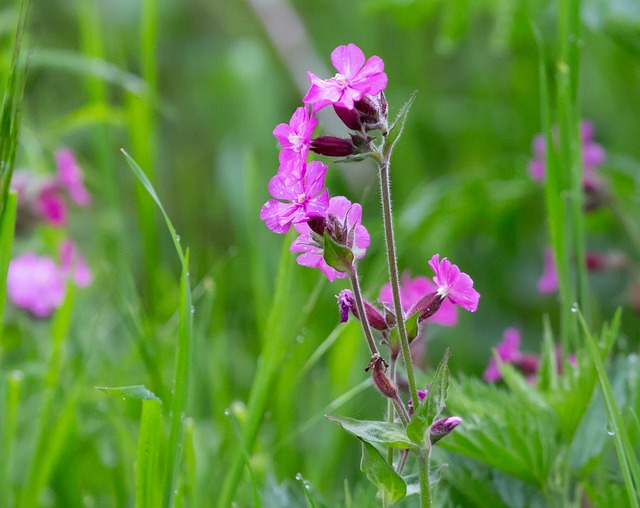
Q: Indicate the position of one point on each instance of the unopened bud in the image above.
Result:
(347, 303)
(332, 146)
(428, 305)
(349, 117)
(442, 427)
(383, 383)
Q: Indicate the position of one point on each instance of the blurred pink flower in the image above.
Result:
(453, 284)
(35, 283)
(70, 177)
(50, 205)
(310, 243)
(509, 352)
(74, 264)
(548, 282)
(412, 290)
(355, 78)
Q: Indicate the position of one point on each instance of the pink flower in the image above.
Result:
(305, 198)
(548, 282)
(593, 155)
(295, 139)
(340, 214)
(70, 177)
(35, 283)
(74, 264)
(412, 290)
(509, 352)
(51, 205)
(354, 79)
(454, 284)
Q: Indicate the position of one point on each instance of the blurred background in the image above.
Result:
(192, 90)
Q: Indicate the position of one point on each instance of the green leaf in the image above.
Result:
(411, 325)
(429, 410)
(132, 392)
(384, 433)
(396, 128)
(382, 474)
(7, 228)
(148, 483)
(337, 256)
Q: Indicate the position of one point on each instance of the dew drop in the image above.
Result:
(299, 339)
(227, 412)
(178, 238)
(574, 307)
(298, 476)
(193, 310)
(611, 433)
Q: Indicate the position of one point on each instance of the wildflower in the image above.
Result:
(593, 155)
(35, 283)
(295, 138)
(442, 427)
(306, 198)
(385, 385)
(70, 177)
(412, 291)
(355, 78)
(509, 352)
(342, 224)
(454, 284)
(50, 205)
(74, 264)
(548, 282)
(347, 303)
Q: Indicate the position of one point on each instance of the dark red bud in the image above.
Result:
(383, 383)
(349, 117)
(332, 146)
(428, 305)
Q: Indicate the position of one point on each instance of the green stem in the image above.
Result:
(357, 292)
(385, 193)
(392, 259)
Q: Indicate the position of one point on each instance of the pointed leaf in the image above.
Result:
(429, 410)
(133, 392)
(384, 433)
(396, 128)
(382, 474)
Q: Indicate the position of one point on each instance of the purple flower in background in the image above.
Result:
(35, 283)
(412, 290)
(70, 177)
(593, 155)
(295, 139)
(355, 78)
(74, 264)
(548, 282)
(453, 284)
(305, 199)
(509, 352)
(310, 243)
(50, 205)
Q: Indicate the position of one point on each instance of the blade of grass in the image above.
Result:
(10, 424)
(626, 453)
(245, 454)
(7, 228)
(184, 346)
(276, 342)
(148, 479)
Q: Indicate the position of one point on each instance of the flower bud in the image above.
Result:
(332, 146)
(383, 383)
(349, 117)
(347, 302)
(428, 305)
(442, 427)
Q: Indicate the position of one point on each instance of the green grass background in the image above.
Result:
(192, 90)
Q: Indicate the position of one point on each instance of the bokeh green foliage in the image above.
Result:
(202, 118)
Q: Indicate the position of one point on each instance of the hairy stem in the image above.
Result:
(357, 292)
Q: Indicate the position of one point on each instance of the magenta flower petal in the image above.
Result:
(35, 283)
(70, 177)
(50, 205)
(75, 264)
(548, 282)
(295, 139)
(454, 284)
(355, 78)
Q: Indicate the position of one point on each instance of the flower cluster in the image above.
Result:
(37, 283)
(46, 199)
(300, 198)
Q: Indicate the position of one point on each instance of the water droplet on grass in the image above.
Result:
(227, 412)
(574, 307)
(298, 476)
